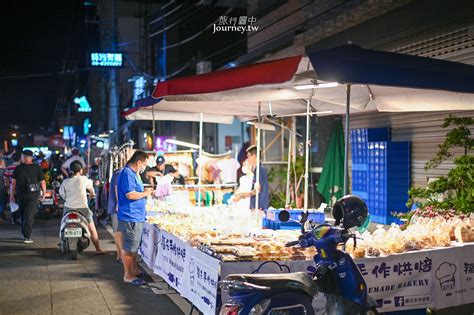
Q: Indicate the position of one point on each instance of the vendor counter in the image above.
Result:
(436, 278)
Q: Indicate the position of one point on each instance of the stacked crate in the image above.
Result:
(380, 172)
(360, 139)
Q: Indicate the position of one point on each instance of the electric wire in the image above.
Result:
(284, 33)
(268, 26)
(195, 35)
(166, 14)
(208, 57)
(174, 24)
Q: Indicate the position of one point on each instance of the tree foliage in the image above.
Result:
(456, 189)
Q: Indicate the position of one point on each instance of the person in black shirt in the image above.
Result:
(161, 169)
(148, 176)
(178, 179)
(27, 183)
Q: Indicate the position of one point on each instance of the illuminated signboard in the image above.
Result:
(161, 146)
(106, 59)
(84, 106)
(87, 126)
(68, 133)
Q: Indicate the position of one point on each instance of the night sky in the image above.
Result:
(35, 38)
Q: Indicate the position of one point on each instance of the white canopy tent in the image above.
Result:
(346, 80)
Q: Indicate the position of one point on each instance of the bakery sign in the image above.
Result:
(147, 249)
(171, 259)
(437, 278)
(194, 274)
(203, 282)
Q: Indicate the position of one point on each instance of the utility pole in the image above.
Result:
(108, 25)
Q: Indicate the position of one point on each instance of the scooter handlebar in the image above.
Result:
(293, 243)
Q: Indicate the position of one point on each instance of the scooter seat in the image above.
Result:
(296, 281)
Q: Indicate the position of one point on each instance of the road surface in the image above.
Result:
(38, 279)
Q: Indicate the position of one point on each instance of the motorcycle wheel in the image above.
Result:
(372, 311)
(64, 248)
(46, 213)
(74, 254)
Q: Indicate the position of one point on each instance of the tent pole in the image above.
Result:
(153, 123)
(306, 164)
(346, 140)
(288, 195)
(257, 173)
(200, 162)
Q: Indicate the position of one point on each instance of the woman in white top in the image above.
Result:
(74, 192)
(241, 197)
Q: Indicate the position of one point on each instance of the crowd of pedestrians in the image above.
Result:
(24, 184)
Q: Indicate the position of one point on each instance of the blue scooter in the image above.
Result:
(335, 275)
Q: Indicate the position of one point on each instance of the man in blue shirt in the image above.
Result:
(263, 192)
(131, 213)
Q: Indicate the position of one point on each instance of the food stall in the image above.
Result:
(210, 188)
(427, 265)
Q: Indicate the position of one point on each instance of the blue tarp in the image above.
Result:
(352, 64)
(146, 101)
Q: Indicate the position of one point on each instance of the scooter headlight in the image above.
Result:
(260, 308)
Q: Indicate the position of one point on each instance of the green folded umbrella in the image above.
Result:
(331, 182)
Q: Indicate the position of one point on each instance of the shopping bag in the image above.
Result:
(13, 206)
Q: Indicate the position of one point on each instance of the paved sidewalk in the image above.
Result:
(38, 279)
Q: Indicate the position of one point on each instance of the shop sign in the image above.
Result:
(162, 146)
(148, 247)
(203, 282)
(106, 59)
(171, 261)
(437, 278)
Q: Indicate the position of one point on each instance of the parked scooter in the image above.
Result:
(56, 184)
(48, 205)
(100, 212)
(74, 234)
(335, 275)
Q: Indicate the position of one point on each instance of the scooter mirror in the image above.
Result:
(284, 216)
(304, 216)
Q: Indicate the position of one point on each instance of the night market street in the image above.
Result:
(38, 279)
(237, 157)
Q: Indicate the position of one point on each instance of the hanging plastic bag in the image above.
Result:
(13, 206)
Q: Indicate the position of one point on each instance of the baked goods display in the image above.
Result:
(423, 232)
(231, 235)
(251, 249)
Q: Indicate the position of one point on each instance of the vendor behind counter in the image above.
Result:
(161, 169)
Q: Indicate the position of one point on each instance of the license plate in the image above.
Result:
(48, 202)
(73, 232)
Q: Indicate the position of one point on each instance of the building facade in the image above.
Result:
(435, 28)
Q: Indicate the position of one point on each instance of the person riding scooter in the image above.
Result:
(74, 192)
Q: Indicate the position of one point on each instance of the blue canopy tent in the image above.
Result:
(355, 65)
(393, 82)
